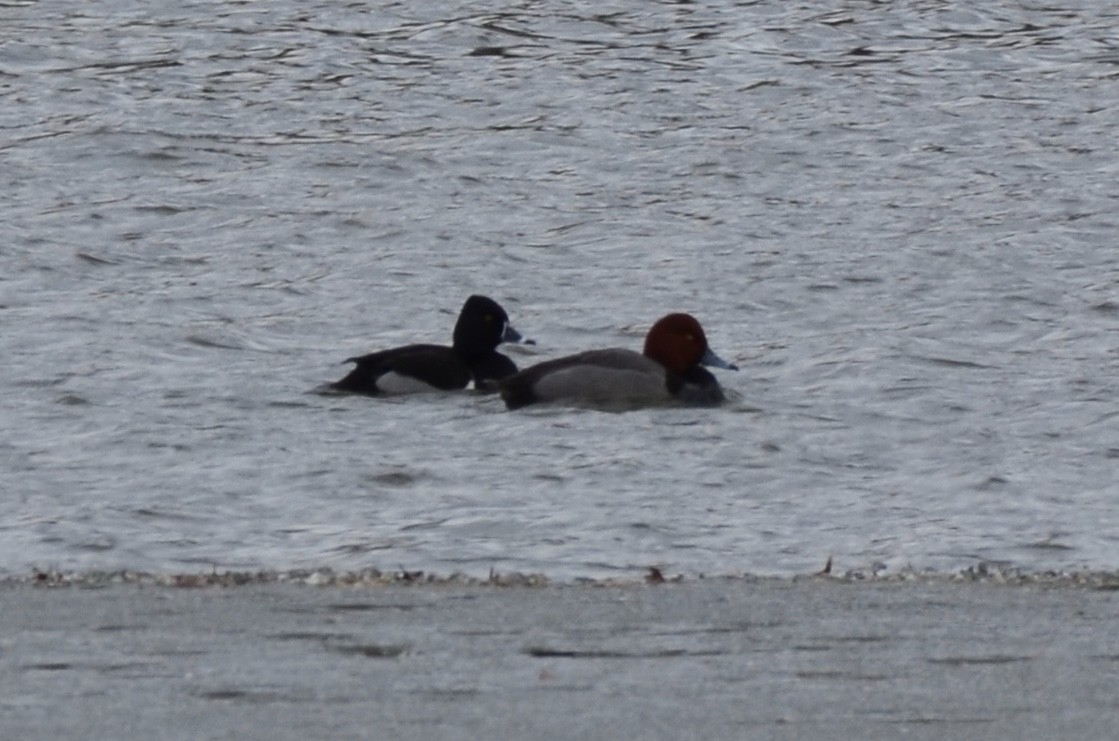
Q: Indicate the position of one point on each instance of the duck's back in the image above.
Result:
(595, 376)
(406, 369)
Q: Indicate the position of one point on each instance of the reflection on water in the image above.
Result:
(896, 219)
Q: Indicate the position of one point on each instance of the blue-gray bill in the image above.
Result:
(513, 336)
(714, 361)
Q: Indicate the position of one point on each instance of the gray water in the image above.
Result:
(899, 219)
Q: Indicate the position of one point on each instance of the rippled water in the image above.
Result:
(899, 219)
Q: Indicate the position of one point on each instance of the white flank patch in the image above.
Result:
(396, 383)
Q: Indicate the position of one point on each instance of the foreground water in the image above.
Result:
(898, 219)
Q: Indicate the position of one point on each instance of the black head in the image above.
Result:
(482, 325)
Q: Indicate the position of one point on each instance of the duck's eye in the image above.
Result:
(489, 318)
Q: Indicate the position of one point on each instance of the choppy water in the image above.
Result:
(899, 219)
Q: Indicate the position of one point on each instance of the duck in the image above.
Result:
(669, 369)
(482, 325)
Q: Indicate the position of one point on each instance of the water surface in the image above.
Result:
(899, 220)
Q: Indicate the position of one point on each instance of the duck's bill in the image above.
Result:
(513, 336)
(714, 361)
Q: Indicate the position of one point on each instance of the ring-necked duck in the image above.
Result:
(482, 325)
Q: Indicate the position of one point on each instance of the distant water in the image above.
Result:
(899, 219)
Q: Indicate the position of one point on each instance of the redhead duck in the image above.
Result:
(482, 325)
(669, 369)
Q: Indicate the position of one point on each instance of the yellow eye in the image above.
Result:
(489, 318)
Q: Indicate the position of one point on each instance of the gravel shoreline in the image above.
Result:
(982, 573)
